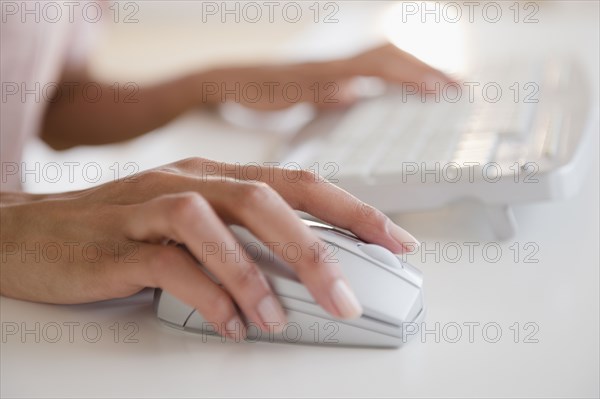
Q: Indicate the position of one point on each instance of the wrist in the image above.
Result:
(205, 87)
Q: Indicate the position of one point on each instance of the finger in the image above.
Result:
(189, 219)
(259, 208)
(314, 195)
(303, 190)
(243, 202)
(423, 71)
(306, 191)
(175, 271)
(395, 65)
(252, 205)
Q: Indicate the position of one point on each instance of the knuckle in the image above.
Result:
(253, 194)
(245, 276)
(187, 205)
(302, 176)
(310, 177)
(153, 176)
(373, 215)
(191, 163)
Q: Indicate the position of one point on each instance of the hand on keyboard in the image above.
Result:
(396, 66)
(326, 84)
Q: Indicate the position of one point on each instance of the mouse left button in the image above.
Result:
(170, 309)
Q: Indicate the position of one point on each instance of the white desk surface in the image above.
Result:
(559, 294)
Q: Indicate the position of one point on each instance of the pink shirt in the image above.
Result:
(35, 49)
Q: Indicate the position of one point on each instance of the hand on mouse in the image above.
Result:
(111, 241)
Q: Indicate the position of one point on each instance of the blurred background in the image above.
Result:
(163, 39)
(157, 40)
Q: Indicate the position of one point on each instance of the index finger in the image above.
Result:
(306, 191)
(317, 196)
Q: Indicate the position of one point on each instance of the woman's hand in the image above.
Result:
(325, 84)
(113, 240)
(395, 66)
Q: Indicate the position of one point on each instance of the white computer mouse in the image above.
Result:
(389, 290)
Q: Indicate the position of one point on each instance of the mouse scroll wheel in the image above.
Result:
(381, 254)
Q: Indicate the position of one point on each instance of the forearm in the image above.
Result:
(119, 113)
(122, 112)
(8, 198)
(12, 221)
(77, 120)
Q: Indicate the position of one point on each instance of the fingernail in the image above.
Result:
(271, 313)
(345, 301)
(235, 328)
(403, 237)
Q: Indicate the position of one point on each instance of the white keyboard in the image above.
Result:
(377, 137)
(401, 154)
